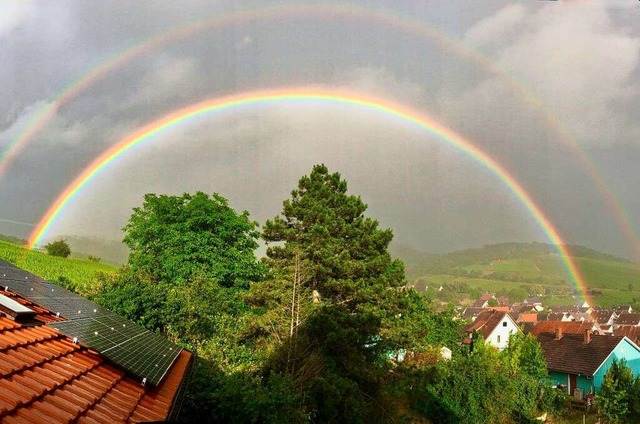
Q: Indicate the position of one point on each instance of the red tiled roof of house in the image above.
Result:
(530, 317)
(46, 378)
(485, 322)
(568, 327)
(572, 355)
(629, 331)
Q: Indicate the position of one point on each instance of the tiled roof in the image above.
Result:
(628, 319)
(602, 316)
(46, 378)
(530, 317)
(471, 312)
(566, 327)
(555, 316)
(486, 322)
(572, 355)
(631, 332)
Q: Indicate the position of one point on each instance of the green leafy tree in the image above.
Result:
(58, 248)
(616, 399)
(471, 389)
(191, 259)
(176, 237)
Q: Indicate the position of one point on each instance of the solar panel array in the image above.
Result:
(136, 349)
(141, 352)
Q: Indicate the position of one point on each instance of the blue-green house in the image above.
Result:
(580, 361)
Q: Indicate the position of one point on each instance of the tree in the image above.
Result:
(176, 237)
(58, 248)
(617, 398)
(331, 291)
(191, 259)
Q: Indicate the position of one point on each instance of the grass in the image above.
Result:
(74, 274)
(619, 282)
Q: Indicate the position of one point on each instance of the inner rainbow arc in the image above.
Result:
(318, 95)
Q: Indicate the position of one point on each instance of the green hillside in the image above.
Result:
(74, 274)
(520, 269)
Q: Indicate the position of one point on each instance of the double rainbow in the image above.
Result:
(306, 95)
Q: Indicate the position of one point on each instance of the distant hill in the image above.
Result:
(524, 268)
(437, 263)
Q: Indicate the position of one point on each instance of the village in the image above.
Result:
(580, 343)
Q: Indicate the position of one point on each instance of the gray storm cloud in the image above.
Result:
(579, 62)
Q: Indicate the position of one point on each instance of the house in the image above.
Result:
(604, 316)
(574, 327)
(48, 376)
(495, 326)
(527, 317)
(471, 313)
(535, 300)
(623, 309)
(632, 333)
(582, 317)
(578, 362)
(484, 300)
(627, 319)
(560, 316)
(583, 307)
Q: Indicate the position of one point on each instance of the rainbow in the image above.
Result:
(304, 95)
(384, 18)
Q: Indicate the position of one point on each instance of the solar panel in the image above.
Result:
(55, 298)
(12, 273)
(141, 352)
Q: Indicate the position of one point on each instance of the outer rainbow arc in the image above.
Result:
(310, 94)
(333, 11)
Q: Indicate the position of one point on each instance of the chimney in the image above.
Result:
(558, 333)
(587, 336)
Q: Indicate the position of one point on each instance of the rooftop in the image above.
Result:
(572, 355)
(486, 322)
(46, 377)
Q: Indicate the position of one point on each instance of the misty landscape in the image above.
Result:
(350, 211)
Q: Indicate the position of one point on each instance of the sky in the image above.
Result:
(548, 89)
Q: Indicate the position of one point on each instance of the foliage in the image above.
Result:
(173, 238)
(330, 296)
(58, 248)
(488, 386)
(239, 397)
(191, 258)
(618, 398)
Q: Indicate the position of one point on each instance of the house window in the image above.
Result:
(498, 338)
(504, 324)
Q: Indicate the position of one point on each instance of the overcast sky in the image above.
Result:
(560, 75)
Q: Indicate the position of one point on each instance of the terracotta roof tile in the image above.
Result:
(45, 378)
(567, 327)
(486, 322)
(572, 355)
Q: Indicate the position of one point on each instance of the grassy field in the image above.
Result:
(618, 281)
(75, 274)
